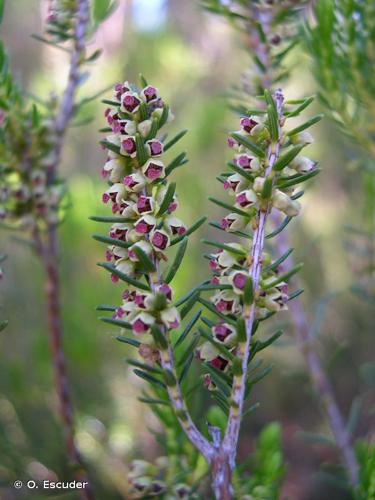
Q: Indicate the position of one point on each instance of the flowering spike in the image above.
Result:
(140, 193)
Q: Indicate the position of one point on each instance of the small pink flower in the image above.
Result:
(248, 123)
(160, 240)
(128, 146)
(130, 102)
(155, 147)
(150, 93)
(153, 170)
(144, 204)
(219, 363)
(139, 326)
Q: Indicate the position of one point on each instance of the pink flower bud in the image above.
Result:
(248, 123)
(155, 147)
(150, 93)
(130, 102)
(153, 170)
(128, 147)
(160, 240)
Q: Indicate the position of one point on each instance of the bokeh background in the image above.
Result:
(192, 58)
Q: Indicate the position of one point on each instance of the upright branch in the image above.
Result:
(249, 286)
(255, 269)
(270, 33)
(143, 203)
(48, 245)
(31, 191)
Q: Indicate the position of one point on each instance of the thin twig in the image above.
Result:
(48, 251)
(307, 347)
(175, 394)
(226, 460)
(317, 373)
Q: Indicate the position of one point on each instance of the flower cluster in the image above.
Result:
(263, 181)
(26, 196)
(248, 183)
(153, 480)
(143, 203)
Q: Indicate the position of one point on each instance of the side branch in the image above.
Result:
(175, 393)
(67, 102)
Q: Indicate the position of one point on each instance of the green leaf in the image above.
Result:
(143, 80)
(159, 337)
(185, 368)
(168, 198)
(298, 179)
(280, 260)
(250, 410)
(144, 259)
(149, 378)
(191, 230)
(193, 291)
(300, 108)
(177, 261)
(273, 123)
(127, 340)
(94, 56)
(241, 234)
(278, 230)
(189, 304)
(164, 116)
(143, 366)
(105, 307)
(248, 294)
(296, 294)
(154, 401)
(267, 188)
(249, 144)
(111, 103)
(228, 206)
(176, 162)
(102, 9)
(175, 139)
(154, 129)
(142, 153)
(268, 342)
(123, 276)
(241, 330)
(190, 349)
(110, 146)
(111, 219)
(213, 309)
(111, 241)
(284, 277)
(239, 170)
(284, 160)
(311, 121)
(116, 322)
(47, 42)
(227, 248)
(188, 328)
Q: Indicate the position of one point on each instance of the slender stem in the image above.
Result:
(317, 374)
(226, 460)
(175, 393)
(47, 249)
